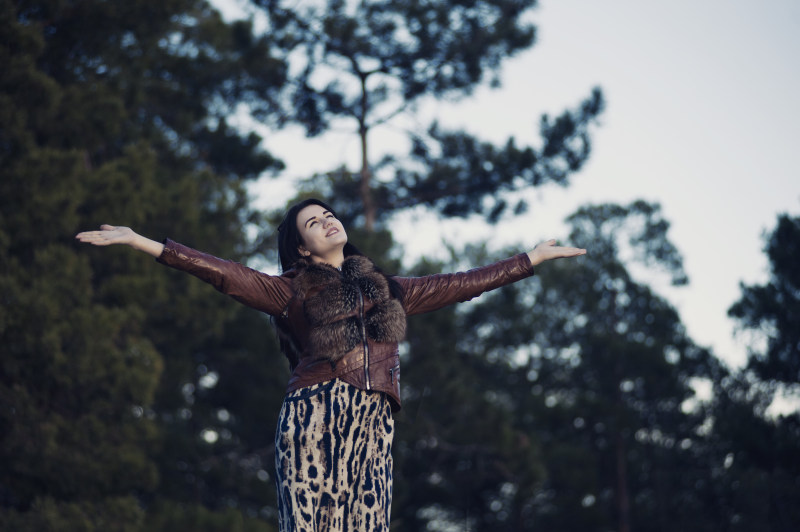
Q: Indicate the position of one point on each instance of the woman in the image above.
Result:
(340, 320)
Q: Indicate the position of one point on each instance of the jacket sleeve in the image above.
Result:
(432, 292)
(267, 293)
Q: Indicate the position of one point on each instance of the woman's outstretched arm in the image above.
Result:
(117, 234)
(255, 289)
(432, 292)
(549, 251)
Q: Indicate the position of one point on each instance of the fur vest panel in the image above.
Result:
(346, 308)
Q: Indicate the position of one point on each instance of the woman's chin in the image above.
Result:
(338, 239)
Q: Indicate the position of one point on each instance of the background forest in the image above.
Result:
(136, 398)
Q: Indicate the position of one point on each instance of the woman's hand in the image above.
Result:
(117, 234)
(108, 234)
(549, 251)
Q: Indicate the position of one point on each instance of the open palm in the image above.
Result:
(549, 251)
(108, 234)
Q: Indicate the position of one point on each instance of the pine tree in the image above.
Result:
(115, 112)
(758, 451)
(611, 379)
(364, 63)
(772, 310)
(561, 402)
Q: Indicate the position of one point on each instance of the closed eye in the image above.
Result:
(330, 216)
(311, 221)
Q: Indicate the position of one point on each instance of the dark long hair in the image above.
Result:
(288, 242)
(289, 238)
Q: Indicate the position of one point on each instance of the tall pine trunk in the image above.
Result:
(365, 191)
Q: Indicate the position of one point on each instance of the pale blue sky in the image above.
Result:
(702, 116)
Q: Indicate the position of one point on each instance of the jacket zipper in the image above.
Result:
(364, 337)
(393, 373)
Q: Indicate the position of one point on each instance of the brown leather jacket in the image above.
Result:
(371, 365)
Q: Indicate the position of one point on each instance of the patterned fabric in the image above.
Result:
(333, 459)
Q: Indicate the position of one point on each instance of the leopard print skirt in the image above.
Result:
(333, 459)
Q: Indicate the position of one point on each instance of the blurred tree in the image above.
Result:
(760, 453)
(114, 112)
(772, 310)
(370, 61)
(457, 451)
(610, 389)
(752, 457)
(560, 403)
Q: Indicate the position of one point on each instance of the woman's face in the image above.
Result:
(321, 232)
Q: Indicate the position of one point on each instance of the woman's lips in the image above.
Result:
(333, 231)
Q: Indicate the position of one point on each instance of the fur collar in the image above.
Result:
(334, 303)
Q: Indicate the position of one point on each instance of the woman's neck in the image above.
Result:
(334, 259)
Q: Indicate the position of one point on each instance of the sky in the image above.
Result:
(702, 115)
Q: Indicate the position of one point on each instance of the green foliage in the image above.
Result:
(612, 379)
(114, 113)
(113, 514)
(402, 49)
(170, 517)
(560, 402)
(459, 457)
(459, 175)
(74, 371)
(753, 458)
(368, 62)
(772, 310)
(759, 454)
